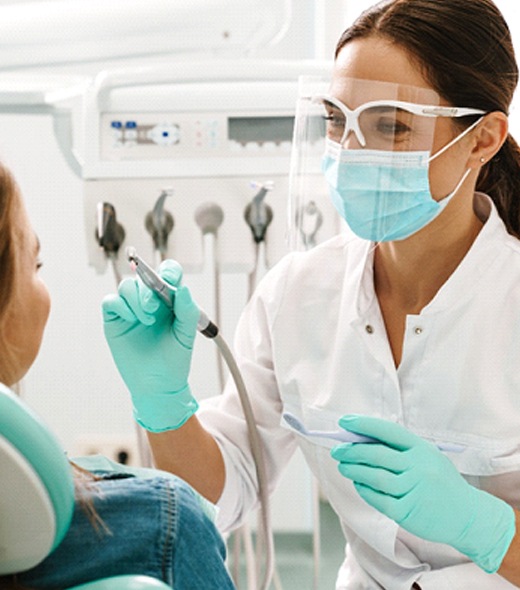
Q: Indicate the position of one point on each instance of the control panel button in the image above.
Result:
(165, 134)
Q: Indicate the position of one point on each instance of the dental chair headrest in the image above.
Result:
(36, 487)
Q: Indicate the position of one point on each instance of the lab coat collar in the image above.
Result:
(462, 284)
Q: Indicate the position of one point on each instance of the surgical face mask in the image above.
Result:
(384, 195)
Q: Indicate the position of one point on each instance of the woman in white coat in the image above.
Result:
(407, 332)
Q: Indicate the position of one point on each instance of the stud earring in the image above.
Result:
(482, 159)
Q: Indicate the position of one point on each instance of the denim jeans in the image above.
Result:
(157, 527)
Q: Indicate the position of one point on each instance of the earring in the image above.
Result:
(482, 159)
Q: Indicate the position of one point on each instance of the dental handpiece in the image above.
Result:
(165, 291)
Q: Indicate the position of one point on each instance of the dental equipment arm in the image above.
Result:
(413, 483)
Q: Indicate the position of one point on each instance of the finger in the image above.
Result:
(139, 299)
(390, 433)
(394, 508)
(386, 482)
(114, 308)
(186, 317)
(171, 271)
(375, 455)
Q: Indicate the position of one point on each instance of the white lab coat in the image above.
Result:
(312, 341)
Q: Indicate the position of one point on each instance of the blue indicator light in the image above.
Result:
(165, 134)
(116, 124)
(131, 125)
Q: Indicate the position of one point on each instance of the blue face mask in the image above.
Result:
(384, 195)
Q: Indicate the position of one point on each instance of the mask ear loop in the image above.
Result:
(447, 198)
(375, 245)
(456, 139)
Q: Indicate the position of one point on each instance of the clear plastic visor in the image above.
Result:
(349, 114)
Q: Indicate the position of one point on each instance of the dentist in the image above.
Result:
(406, 331)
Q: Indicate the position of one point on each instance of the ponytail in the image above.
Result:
(500, 179)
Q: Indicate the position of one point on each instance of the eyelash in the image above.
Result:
(39, 264)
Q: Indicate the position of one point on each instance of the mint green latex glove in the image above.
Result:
(409, 480)
(152, 349)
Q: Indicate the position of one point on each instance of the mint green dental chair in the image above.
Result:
(37, 496)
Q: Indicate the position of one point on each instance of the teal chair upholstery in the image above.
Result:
(37, 496)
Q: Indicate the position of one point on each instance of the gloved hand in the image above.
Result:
(413, 483)
(152, 349)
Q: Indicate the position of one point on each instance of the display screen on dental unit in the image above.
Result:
(245, 130)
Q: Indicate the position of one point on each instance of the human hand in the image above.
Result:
(152, 348)
(413, 483)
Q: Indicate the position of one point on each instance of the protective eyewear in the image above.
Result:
(384, 124)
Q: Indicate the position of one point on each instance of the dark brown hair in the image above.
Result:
(465, 51)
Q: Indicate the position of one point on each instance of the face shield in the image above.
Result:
(384, 130)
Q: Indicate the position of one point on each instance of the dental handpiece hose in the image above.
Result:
(205, 326)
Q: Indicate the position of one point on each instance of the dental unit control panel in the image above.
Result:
(188, 135)
(194, 134)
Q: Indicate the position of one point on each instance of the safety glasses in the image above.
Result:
(384, 124)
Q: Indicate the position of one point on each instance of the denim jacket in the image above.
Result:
(152, 524)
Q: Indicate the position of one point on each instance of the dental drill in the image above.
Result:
(165, 291)
(205, 326)
(258, 216)
(110, 234)
(159, 223)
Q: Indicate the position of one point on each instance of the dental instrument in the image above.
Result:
(164, 290)
(159, 223)
(258, 216)
(110, 234)
(350, 437)
(166, 293)
(339, 435)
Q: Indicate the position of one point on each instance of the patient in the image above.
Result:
(126, 521)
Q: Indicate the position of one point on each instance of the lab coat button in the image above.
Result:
(418, 330)
(369, 329)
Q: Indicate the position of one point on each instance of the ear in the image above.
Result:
(489, 136)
